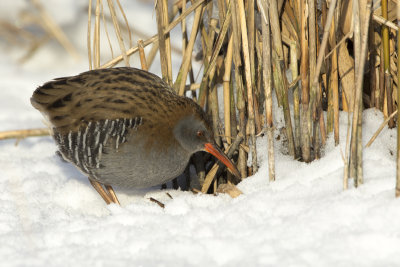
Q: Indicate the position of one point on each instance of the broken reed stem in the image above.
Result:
(21, 134)
(383, 124)
(142, 55)
(266, 55)
(397, 190)
(118, 31)
(250, 101)
(129, 52)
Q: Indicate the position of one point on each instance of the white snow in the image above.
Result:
(51, 216)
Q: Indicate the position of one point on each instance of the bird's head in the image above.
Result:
(194, 133)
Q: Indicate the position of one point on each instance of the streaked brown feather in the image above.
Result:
(115, 93)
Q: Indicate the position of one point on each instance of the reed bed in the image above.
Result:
(314, 56)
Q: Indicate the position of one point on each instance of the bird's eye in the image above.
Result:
(200, 133)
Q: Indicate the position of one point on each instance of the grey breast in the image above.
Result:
(114, 152)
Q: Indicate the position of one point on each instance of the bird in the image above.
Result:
(125, 127)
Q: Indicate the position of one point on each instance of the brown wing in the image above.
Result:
(99, 94)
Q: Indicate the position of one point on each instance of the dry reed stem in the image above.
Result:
(96, 38)
(106, 30)
(210, 65)
(247, 72)
(357, 48)
(397, 190)
(242, 159)
(118, 31)
(89, 29)
(383, 124)
(251, 38)
(162, 42)
(345, 160)
(279, 74)
(314, 99)
(21, 134)
(386, 57)
(356, 124)
(180, 81)
(126, 23)
(296, 99)
(226, 86)
(381, 20)
(165, 22)
(129, 52)
(305, 85)
(312, 51)
(266, 56)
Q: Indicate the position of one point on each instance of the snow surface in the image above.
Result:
(51, 216)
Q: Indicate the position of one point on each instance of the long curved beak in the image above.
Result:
(216, 152)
